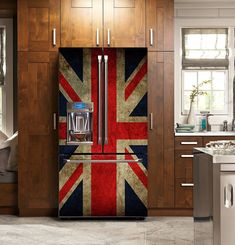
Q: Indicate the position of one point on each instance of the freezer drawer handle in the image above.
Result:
(189, 143)
(186, 184)
(186, 156)
(100, 102)
(228, 196)
(106, 99)
(104, 161)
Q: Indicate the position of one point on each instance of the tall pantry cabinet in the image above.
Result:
(46, 25)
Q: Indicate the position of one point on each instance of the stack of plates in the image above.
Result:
(184, 128)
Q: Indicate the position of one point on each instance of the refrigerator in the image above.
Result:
(102, 132)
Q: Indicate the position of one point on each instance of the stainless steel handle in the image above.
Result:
(189, 143)
(108, 37)
(54, 36)
(186, 156)
(228, 196)
(186, 184)
(106, 99)
(151, 121)
(99, 102)
(54, 121)
(103, 161)
(97, 37)
(151, 36)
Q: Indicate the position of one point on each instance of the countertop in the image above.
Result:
(219, 133)
(219, 156)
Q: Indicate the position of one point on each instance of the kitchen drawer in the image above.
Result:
(187, 143)
(184, 164)
(183, 194)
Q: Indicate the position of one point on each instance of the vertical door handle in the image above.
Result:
(54, 121)
(106, 99)
(97, 37)
(228, 196)
(109, 41)
(99, 101)
(151, 36)
(151, 121)
(54, 37)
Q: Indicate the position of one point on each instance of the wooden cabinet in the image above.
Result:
(159, 25)
(38, 88)
(161, 131)
(37, 20)
(97, 23)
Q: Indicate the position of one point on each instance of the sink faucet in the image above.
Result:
(233, 124)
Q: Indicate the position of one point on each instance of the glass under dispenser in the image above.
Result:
(79, 123)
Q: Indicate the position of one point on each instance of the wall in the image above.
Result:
(202, 14)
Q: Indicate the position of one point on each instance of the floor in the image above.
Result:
(49, 231)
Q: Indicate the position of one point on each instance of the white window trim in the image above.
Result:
(7, 89)
(200, 23)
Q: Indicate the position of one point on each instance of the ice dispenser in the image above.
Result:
(79, 123)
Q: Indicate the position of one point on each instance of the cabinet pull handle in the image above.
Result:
(186, 156)
(108, 37)
(99, 101)
(189, 143)
(186, 184)
(104, 161)
(228, 196)
(54, 37)
(151, 121)
(97, 37)
(151, 36)
(106, 99)
(54, 121)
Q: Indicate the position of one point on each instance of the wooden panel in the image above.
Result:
(9, 210)
(161, 138)
(160, 17)
(179, 145)
(214, 138)
(38, 90)
(79, 25)
(183, 166)
(8, 195)
(81, 3)
(183, 195)
(127, 25)
(124, 3)
(170, 212)
(36, 20)
(7, 8)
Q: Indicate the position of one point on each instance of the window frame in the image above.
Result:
(200, 23)
(7, 88)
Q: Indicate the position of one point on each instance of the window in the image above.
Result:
(205, 56)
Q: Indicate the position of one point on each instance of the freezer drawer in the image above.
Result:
(97, 186)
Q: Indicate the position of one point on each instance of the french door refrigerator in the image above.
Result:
(102, 132)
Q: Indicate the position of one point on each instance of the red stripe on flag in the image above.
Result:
(137, 170)
(62, 130)
(131, 130)
(70, 182)
(135, 81)
(68, 89)
(103, 189)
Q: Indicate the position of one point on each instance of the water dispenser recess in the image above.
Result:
(79, 123)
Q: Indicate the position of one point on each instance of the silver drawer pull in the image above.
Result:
(102, 161)
(228, 196)
(97, 37)
(186, 184)
(189, 143)
(54, 37)
(186, 156)
(151, 36)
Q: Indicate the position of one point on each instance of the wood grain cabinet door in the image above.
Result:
(81, 23)
(38, 25)
(37, 103)
(124, 23)
(161, 130)
(159, 25)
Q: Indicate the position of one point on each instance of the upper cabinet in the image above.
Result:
(124, 23)
(81, 23)
(159, 25)
(98, 23)
(38, 25)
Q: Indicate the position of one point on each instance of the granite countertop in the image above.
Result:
(219, 156)
(211, 133)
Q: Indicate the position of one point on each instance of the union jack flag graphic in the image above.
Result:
(115, 185)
